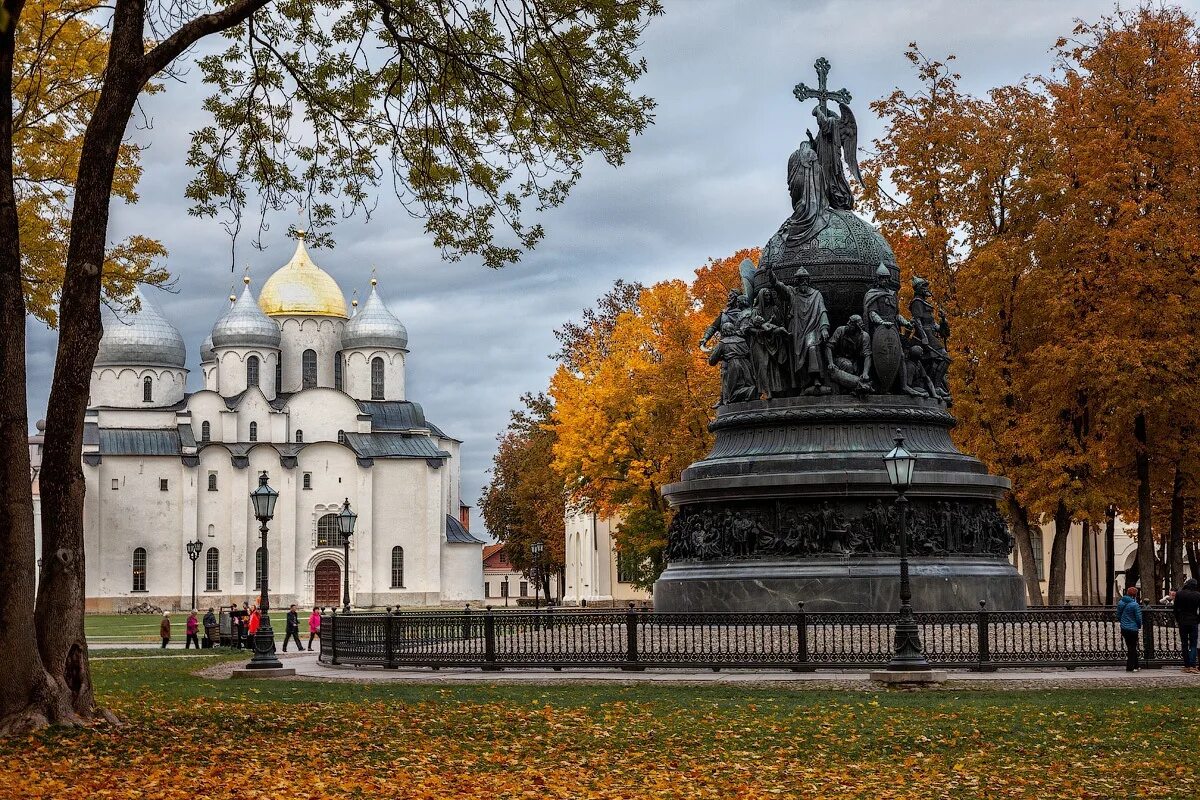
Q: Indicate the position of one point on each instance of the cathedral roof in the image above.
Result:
(374, 326)
(207, 355)
(142, 339)
(301, 287)
(457, 534)
(245, 325)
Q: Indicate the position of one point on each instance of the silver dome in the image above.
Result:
(207, 355)
(245, 325)
(144, 339)
(374, 326)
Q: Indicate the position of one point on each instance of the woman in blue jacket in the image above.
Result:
(1129, 613)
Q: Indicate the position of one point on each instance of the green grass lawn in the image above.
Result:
(132, 628)
(188, 736)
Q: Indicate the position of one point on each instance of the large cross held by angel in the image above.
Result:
(837, 138)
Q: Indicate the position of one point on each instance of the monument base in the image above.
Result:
(853, 583)
(914, 677)
(281, 672)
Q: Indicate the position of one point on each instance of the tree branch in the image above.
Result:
(170, 48)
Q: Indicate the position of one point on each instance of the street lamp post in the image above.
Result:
(907, 655)
(537, 548)
(263, 500)
(346, 520)
(506, 577)
(193, 551)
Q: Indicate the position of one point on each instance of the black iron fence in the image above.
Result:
(634, 639)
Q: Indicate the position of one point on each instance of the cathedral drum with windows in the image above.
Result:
(295, 386)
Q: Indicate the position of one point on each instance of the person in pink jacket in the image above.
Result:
(314, 626)
(193, 625)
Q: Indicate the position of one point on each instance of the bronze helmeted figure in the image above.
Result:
(931, 335)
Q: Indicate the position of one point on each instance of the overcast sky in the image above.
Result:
(705, 180)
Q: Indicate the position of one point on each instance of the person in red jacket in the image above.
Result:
(252, 628)
(314, 626)
(193, 625)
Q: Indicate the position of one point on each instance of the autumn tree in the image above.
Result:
(633, 399)
(472, 111)
(525, 501)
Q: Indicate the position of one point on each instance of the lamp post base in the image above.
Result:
(264, 648)
(908, 677)
(282, 672)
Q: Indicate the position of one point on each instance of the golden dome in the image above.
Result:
(301, 287)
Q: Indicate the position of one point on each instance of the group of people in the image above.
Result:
(1185, 604)
(245, 623)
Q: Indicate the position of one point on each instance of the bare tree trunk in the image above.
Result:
(1019, 517)
(1057, 588)
(1146, 561)
(1085, 565)
(61, 592)
(1110, 555)
(1175, 542)
(29, 699)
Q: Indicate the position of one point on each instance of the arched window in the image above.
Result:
(278, 375)
(309, 365)
(397, 567)
(337, 370)
(308, 480)
(147, 389)
(254, 431)
(139, 569)
(341, 437)
(205, 431)
(212, 570)
(258, 568)
(252, 371)
(212, 481)
(376, 378)
(299, 436)
(327, 532)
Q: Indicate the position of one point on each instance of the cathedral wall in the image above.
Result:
(321, 334)
(462, 572)
(405, 503)
(131, 510)
(207, 407)
(321, 413)
(123, 386)
(254, 408)
(357, 373)
(333, 475)
(129, 418)
(231, 369)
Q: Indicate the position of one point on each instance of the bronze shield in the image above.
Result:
(886, 356)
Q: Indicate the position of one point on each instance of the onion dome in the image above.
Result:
(374, 326)
(207, 354)
(142, 339)
(245, 325)
(301, 287)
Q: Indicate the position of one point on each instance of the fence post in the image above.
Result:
(631, 642)
(489, 642)
(333, 635)
(389, 658)
(1148, 639)
(984, 639)
(801, 640)
(466, 628)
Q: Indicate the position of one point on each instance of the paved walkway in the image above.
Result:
(308, 668)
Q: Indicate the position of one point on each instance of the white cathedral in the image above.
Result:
(295, 387)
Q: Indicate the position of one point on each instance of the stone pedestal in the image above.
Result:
(916, 677)
(281, 672)
(793, 505)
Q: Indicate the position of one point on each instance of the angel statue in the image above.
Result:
(836, 140)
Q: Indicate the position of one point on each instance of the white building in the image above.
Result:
(594, 572)
(295, 387)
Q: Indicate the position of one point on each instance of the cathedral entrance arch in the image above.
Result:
(327, 583)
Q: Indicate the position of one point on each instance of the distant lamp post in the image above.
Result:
(506, 577)
(193, 551)
(263, 500)
(346, 520)
(907, 654)
(536, 549)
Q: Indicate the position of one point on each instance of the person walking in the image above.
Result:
(164, 629)
(252, 627)
(193, 625)
(1187, 617)
(1129, 613)
(314, 626)
(292, 628)
(212, 630)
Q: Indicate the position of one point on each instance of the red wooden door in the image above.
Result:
(328, 583)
